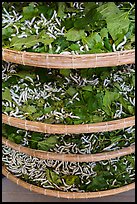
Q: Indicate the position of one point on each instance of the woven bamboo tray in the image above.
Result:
(61, 194)
(66, 129)
(69, 157)
(61, 61)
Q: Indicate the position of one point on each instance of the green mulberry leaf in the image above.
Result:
(30, 11)
(71, 179)
(115, 27)
(6, 32)
(71, 91)
(6, 95)
(74, 34)
(110, 97)
(65, 72)
(98, 183)
(114, 16)
(29, 109)
(61, 9)
(30, 41)
(53, 177)
(47, 143)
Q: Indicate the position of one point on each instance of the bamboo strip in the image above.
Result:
(60, 194)
(60, 61)
(69, 157)
(66, 129)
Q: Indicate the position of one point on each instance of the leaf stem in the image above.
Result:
(131, 8)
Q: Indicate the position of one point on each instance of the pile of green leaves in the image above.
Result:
(96, 102)
(107, 174)
(47, 142)
(103, 180)
(97, 25)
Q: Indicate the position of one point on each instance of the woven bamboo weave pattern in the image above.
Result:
(69, 157)
(65, 129)
(69, 93)
(60, 61)
(68, 195)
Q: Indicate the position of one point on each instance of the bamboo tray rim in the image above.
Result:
(68, 61)
(66, 129)
(69, 55)
(60, 194)
(70, 157)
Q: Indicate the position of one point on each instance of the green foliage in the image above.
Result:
(47, 110)
(6, 32)
(61, 9)
(6, 95)
(48, 143)
(118, 138)
(127, 106)
(98, 183)
(30, 41)
(103, 179)
(97, 25)
(71, 179)
(110, 97)
(108, 100)
(115, 29)
(71, 91)
(53, 177)
(87, 88)
(24, 73)
(114, 17)
(93, 41)
(104, 33)
(30, 11)
(65, 72)
(74, 34)
(29, 109)
(93, 103)
(90, 17)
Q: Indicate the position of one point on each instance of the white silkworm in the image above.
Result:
(114, 47)
(27, 77)
(41, 118)
(86, 47)
(32, 21)
(22, 35)
(132, 102)
(17, 30)
(81, 48)
(51, 35)
(122, 43)
(65, 53)
(57, 20)
(58, 48)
